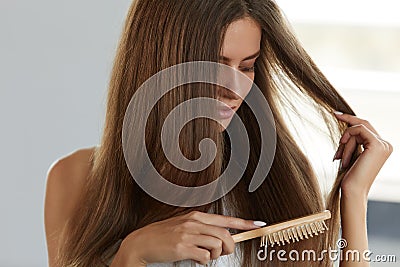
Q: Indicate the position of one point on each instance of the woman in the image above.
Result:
(96, 214)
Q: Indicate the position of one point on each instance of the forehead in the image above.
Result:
(242, 39)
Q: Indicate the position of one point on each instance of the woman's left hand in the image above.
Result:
(359, 178)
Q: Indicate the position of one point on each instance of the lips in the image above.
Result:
(225, 112)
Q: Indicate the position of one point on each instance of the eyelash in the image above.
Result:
(251, 69)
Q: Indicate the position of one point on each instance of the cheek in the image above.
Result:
(245, 93)
(245, 87)
(248, 88)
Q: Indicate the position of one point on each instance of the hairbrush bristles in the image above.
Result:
(294, 234)
(288, 232)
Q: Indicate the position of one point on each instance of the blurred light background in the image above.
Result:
(55, 61)
(356, 44)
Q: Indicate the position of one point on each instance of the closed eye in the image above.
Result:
(249, 69)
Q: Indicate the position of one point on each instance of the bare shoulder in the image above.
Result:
(70, 170)
(64, 182)
(66, 176)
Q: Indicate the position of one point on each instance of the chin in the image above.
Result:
(224, 124)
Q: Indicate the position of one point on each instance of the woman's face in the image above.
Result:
(240, 49)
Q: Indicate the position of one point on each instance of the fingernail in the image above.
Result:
(334, 157)
(259, 223)
(338, 113)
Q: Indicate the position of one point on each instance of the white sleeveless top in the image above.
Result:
(230, 260)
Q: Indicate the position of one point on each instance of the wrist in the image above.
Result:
(132, 250)
(127, 256)
(354, 196)
(353, 205)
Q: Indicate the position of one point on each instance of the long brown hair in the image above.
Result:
(160, 34)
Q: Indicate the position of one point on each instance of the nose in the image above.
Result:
(227, 93)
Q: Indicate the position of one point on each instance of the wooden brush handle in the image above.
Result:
(326, 214)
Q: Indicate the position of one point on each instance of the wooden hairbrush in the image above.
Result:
(288, 231)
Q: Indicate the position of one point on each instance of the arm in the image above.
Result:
(126, 257)
(354, 229)
(52, 214)
(64, 183)
(197, 236)
(357, 182)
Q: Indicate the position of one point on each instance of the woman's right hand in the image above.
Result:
(197, 236)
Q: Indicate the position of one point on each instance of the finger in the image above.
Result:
(212, 244)
(224, 221)
(198, 228)
(349, 148)
(354, 120)
(228, 245)
(339, 152)
(361, 133)
(197, 254)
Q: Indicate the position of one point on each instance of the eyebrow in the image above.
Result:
(246, 58)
